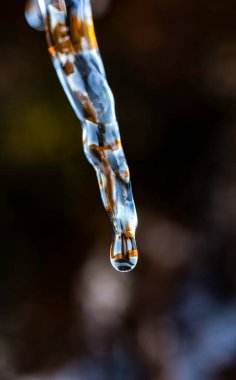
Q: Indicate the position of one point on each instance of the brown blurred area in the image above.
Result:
(65, 314)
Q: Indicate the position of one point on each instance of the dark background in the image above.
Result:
(65, 314)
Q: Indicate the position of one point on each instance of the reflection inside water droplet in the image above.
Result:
(124, 254)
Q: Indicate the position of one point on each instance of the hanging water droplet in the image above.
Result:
(123, 253)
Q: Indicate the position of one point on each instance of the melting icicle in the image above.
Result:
(73, 47)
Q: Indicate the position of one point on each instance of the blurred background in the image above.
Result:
(65, 314)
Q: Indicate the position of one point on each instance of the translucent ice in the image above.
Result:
(74, 51)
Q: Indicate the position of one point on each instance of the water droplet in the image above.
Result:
(124, 254)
